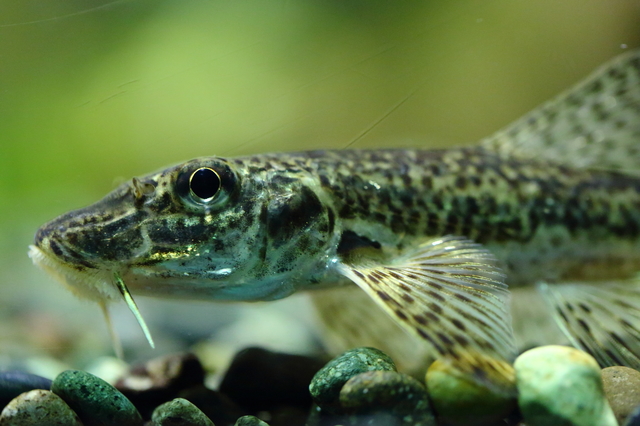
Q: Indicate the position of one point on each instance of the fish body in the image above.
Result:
(290, 216)
(528, 213)
(432, 236)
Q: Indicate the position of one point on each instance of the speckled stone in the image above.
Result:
(13, 383)
(38, 407)
(460, 401)
(396, 397)
(326, 384)
(559, 385)
(622, 389)
(215, 405)
(179, 412)
(259, 379)
(96, 401)
(250, 421)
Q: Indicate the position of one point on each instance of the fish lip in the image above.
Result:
(93, 284)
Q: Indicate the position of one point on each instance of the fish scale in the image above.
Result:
(404, 195)
(433, 238)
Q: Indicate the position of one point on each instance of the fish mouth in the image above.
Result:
(99, 285)
(85, 282)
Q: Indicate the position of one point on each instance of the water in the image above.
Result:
(89, 97)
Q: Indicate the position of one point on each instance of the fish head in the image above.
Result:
(209, 228)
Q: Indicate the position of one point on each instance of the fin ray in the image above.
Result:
(449, 293)
(599, 320)
(595, 124)
(350, 318)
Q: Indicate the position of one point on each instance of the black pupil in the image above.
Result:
(205, 183)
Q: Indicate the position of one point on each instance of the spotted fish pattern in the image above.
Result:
(435, 238)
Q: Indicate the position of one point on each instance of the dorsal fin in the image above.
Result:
(595, 124)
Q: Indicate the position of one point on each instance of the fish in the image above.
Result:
(434, 240)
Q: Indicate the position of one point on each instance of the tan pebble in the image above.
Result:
(622, 389)
(38, 407)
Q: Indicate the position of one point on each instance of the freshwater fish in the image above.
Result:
(434, 238)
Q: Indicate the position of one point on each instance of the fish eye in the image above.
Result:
(207, 183)
(204, 184)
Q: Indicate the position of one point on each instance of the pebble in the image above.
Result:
(159, 380)
(13, 383)
(38, 407)
(250, 421)
(326, 384)
(398, 398)
(215, 405)
(259, 379)
(560, 385)
(622, 389)
(177, 371)
(96, 402)
(179, 412)
(458, 400)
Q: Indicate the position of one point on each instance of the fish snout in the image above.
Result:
(45, 233)
(54, 240)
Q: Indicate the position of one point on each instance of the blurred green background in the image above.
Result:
(94, 92)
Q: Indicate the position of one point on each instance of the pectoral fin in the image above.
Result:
(349, 318)
(450, 294)
(600, 320)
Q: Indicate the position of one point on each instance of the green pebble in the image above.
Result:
(326, 384)
(395, 397)
(179, 412)
(250, 421)
(458, 400)
(561, 386)
(96, 401)
(38, 407)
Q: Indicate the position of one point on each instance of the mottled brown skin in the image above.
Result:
(538, 210)
(284, 212)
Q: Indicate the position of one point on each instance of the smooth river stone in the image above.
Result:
(260, 379)
(622, 389)
(459, 400)
(326, 384)
(179, 412)
(250, 421)
(387, 397)
(38, 407)
(96, 401)
(561, 386)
